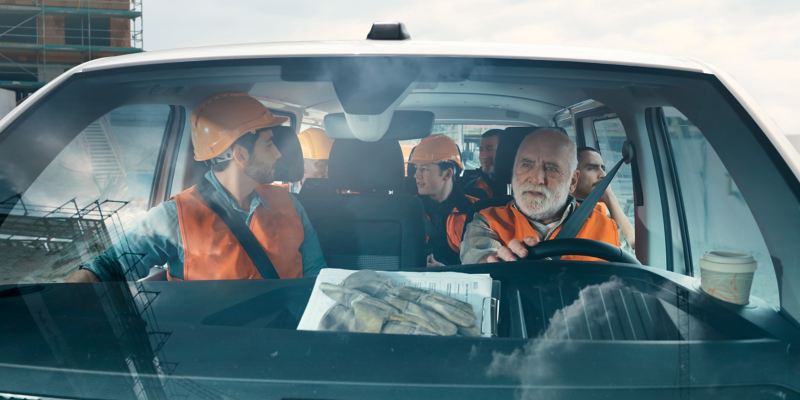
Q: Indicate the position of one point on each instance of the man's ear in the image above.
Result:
(448, 173)
(240, 155)
(573, 184)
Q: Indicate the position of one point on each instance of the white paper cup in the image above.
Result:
(727, 276)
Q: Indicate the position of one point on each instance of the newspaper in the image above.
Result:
(475, 289)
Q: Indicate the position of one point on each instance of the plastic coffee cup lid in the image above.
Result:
(725, 261)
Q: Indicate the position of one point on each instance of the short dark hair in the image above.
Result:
(443, 165)
(491, 133)
(248, 141)
(588, 148)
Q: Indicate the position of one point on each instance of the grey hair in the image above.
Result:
(573, 148)
(573, 160)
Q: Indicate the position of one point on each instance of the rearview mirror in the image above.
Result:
(404, 125)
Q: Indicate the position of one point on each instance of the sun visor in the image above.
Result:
(401, 125)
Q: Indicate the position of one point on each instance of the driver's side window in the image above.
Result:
(94, 189)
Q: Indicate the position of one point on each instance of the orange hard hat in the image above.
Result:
(223, 118)
(436, 148)
(315, 143)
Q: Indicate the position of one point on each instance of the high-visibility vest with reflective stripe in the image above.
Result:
(510, 223)
(212, 252)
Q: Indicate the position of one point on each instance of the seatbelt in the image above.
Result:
(214, 200)
(575, 221)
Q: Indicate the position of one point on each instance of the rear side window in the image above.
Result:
(610, 135)
(468, 138)
(84, 199)
(717, 216)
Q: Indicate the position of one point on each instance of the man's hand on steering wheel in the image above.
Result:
(531, 248)
(515, 250)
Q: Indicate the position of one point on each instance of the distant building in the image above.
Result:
(40, 39)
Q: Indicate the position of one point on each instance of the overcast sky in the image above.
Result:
(756, 42)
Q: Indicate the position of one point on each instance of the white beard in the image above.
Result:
(539, 208)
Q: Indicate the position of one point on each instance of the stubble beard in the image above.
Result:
(260, 173)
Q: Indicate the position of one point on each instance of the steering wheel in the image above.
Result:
(580, 247)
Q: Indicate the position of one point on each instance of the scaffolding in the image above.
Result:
(40, 39)
(44, 243)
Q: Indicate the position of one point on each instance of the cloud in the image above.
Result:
(758, 43)
(537, 365)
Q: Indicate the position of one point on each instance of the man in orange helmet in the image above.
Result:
(316, 147)
(438, 164)
(232, 225)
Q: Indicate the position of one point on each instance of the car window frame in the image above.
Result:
(663, 145)
(167, 156)
(706, 88)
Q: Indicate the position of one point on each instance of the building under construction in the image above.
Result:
(40, 39)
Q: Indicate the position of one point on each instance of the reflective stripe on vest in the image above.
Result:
(509, 223)
(212, 252)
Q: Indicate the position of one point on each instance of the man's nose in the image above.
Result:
(602, 173)
(535, 176)
(538, 176)
(276, 153)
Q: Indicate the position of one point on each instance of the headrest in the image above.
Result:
(366, 166)
(507, 147)
(288, 168)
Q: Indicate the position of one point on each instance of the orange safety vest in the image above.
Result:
(212, 252)
(481, 184)
(455, 224)
(510, 223)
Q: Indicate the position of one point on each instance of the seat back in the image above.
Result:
(288, 168)
(362, 215)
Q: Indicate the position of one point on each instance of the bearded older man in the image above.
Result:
(544, 175)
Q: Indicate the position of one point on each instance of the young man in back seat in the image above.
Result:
(592, 170)
(438, 164)
(231, 132)
(544, 174)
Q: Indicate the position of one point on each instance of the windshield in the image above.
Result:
(576, 204)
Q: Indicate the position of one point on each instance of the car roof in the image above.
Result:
(394, 47)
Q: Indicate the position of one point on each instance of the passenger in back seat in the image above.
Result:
(544, 174)
(592, 170)
(438, 164)
(316, 147)
(482, 183)
(232, 133)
